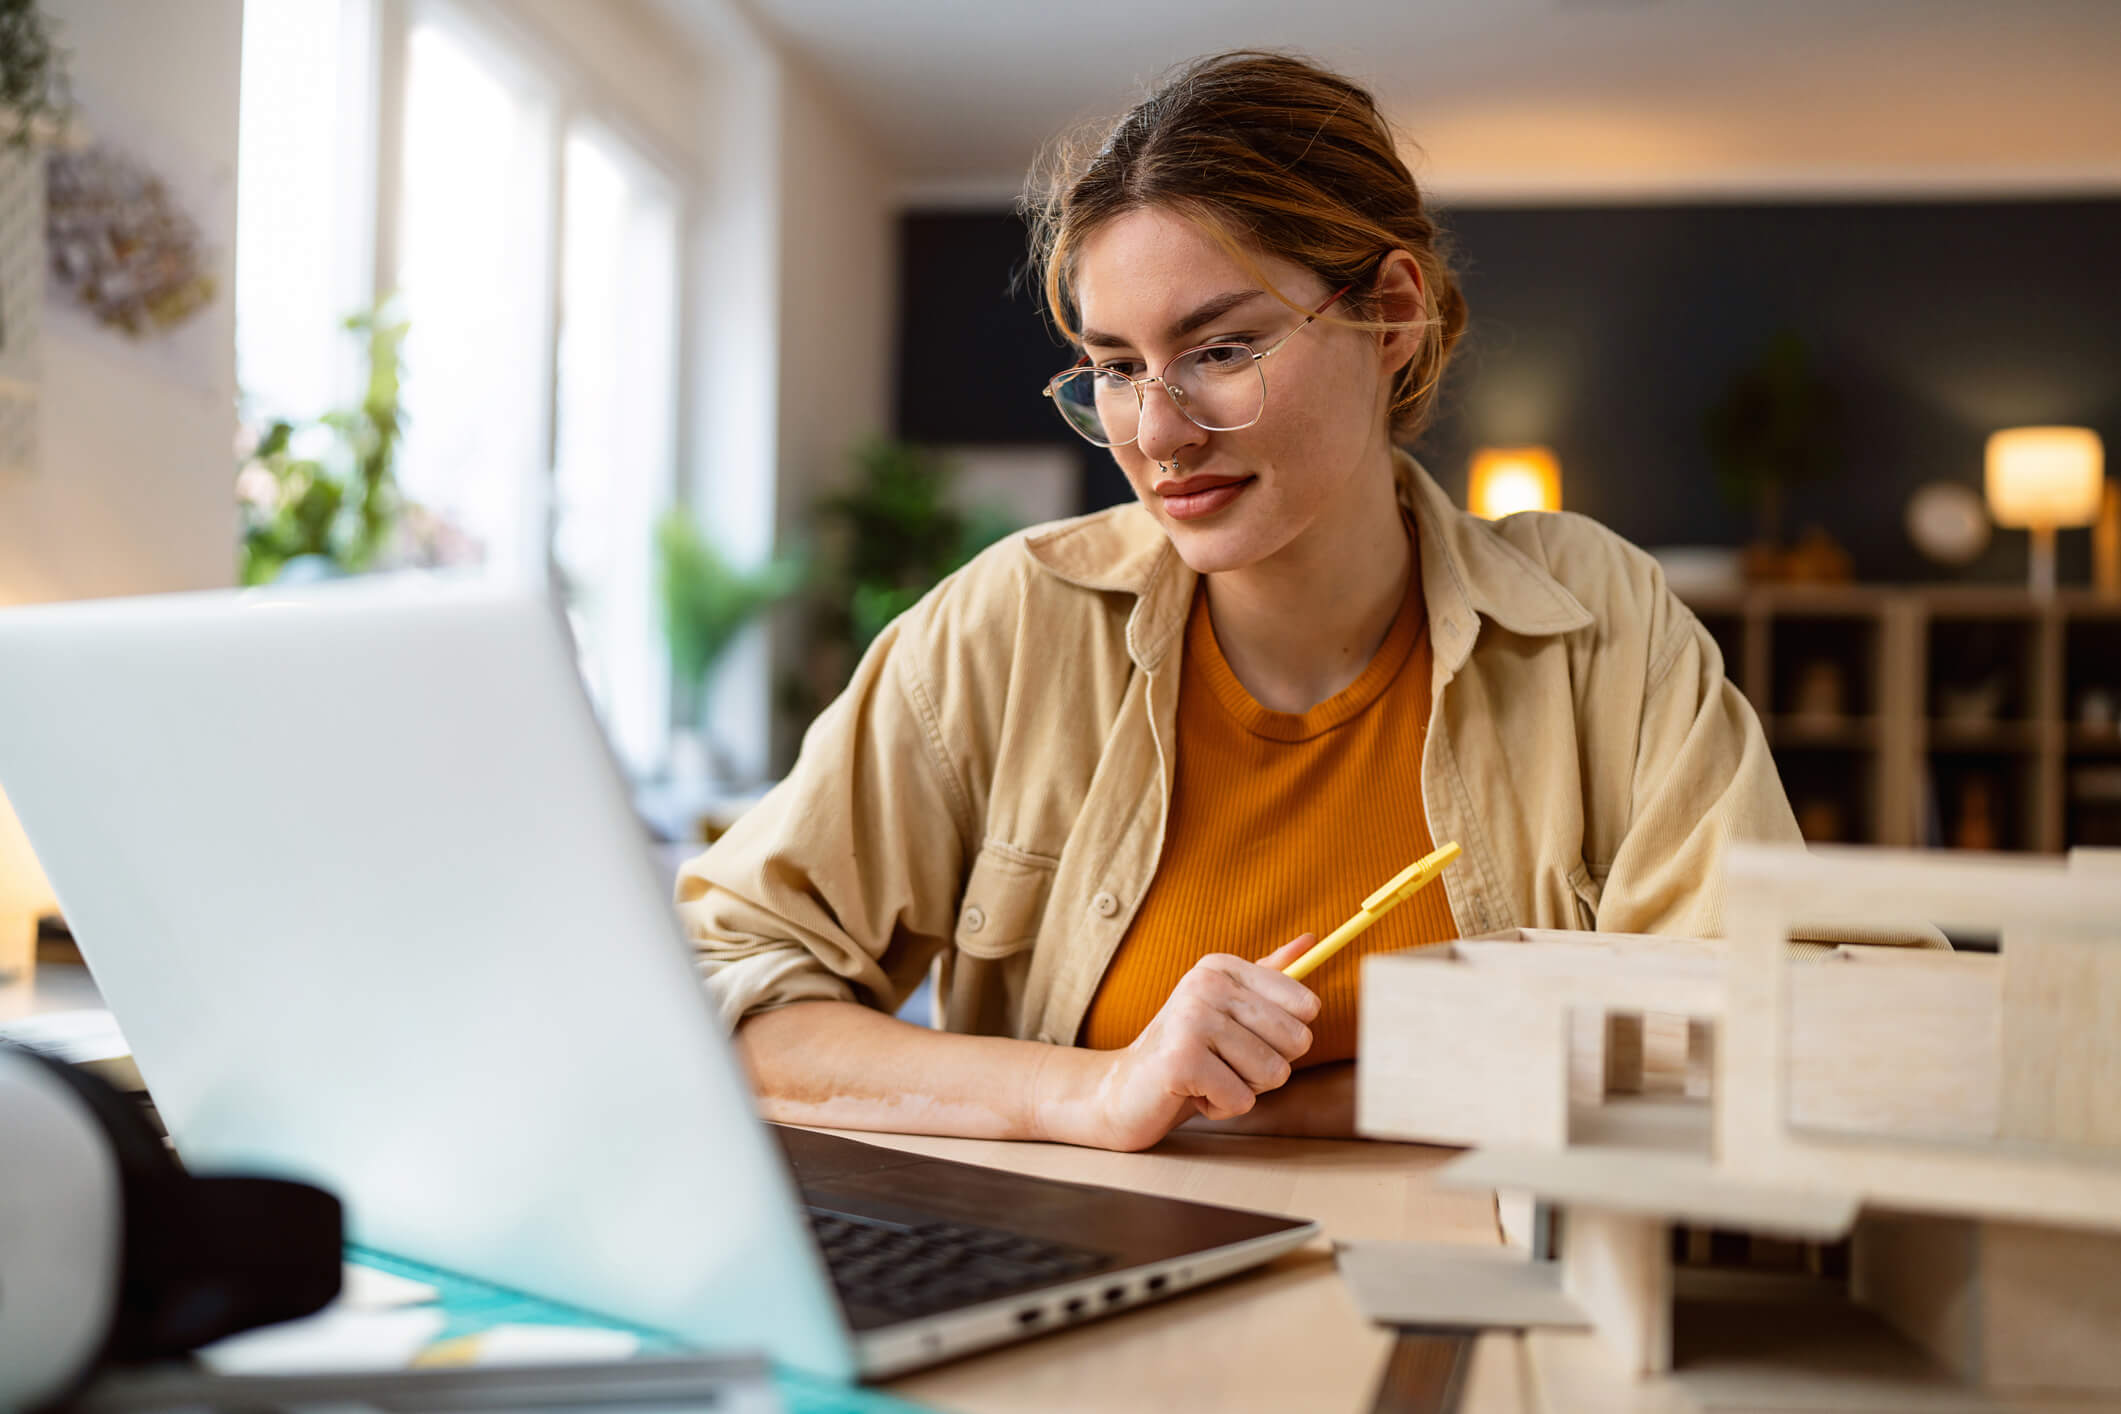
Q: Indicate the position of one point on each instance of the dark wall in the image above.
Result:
(1608, 334)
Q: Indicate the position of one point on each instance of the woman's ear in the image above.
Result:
(1401, 298)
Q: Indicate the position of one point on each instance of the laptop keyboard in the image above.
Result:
(917, 1270)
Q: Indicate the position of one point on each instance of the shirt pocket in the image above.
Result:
(1004, 901)
(1588, 889)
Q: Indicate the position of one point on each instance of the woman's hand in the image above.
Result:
(1229, 1031)
(1318, 1104)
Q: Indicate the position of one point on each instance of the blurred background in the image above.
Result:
(705, 312)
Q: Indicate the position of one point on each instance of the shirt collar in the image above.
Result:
(1469, 571)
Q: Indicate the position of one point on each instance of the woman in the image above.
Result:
(1117, 772)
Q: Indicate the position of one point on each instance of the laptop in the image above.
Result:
(356, 874)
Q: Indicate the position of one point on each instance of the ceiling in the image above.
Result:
(1523, 101)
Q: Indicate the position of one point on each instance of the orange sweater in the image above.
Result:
(1283, 823)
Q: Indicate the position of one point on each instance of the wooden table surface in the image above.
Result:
(1284, 1337)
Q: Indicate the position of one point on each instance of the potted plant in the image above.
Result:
(890, 537)
(320, 498)
(706, 603)
(1773, 429)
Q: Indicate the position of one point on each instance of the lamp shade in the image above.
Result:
(2044, 477)
(1506, 480)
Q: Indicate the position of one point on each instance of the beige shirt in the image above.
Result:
(989, 795)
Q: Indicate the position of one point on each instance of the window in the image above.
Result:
(535, 251)
(616, 425)
(473, 275)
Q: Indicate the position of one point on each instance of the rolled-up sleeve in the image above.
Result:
(1703, 777)
(842, 884)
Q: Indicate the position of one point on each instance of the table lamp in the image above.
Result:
(2041, 479)
(24, 894)
(1506, 480)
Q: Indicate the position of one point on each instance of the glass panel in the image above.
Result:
(613, 472)
(474, 273)
(304, 203)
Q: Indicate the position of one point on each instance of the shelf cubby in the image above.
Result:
(1935, 715)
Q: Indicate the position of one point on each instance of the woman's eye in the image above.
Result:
(1126, 368)
(1215, 355)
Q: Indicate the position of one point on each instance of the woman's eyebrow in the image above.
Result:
(1206, 313)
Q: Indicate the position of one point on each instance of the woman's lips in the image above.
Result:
(1182, 502)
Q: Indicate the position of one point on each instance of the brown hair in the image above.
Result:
(1268, 153)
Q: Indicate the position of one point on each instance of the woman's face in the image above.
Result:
(1150, 285)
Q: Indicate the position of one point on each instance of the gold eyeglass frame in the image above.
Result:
(1177, 395)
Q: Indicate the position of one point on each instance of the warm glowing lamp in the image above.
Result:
(2042, 479)
(1506, 480)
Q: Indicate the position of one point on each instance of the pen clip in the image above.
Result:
(1412, 877)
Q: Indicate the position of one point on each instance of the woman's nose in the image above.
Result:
(1165, 431)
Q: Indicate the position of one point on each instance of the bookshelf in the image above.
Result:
(1957, 716)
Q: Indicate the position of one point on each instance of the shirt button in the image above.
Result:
(1105, 904)
(974, 920)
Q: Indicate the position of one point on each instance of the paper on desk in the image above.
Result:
(367, 1289)
(335, 1340)
(75, 1037)
(1454, 1284)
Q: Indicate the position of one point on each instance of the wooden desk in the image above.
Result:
(1284, 1338)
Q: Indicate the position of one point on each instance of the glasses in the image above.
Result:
(1217, 387)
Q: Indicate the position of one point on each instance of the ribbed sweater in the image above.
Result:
(1282, 823)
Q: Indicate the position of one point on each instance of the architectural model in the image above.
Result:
(1931, 1137)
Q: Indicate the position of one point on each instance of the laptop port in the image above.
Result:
(1114, 1295)
(1076, 1306)
(1029, 1316)
(1158, 1283)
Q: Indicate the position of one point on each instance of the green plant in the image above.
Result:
(886, 540)
(32, 71)
(1772, 429)
(900, 533)
(323, 492)
(707, 602)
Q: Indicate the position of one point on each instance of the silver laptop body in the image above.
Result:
(365, 891)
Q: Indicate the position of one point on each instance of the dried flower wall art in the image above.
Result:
(120, 243)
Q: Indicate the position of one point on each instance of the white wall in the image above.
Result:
(133, 490)
(133, 493)
(838, 282)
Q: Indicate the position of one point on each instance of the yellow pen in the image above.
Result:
(1405, 884)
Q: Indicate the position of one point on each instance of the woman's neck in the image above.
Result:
(1298, 628)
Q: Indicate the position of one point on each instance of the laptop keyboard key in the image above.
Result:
(935, 1266)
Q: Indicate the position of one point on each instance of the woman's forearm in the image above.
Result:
(847, 1066)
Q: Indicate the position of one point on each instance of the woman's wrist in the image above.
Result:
(1065, 1104)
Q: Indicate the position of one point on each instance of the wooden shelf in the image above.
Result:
(1890, 655)
(1794, 729)
(1946, 735)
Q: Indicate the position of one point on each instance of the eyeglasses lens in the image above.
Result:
(1219, 388)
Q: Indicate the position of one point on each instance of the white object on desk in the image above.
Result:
(334, 1340)
(76, 1037)
(88, 1038)
(366, 1289)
